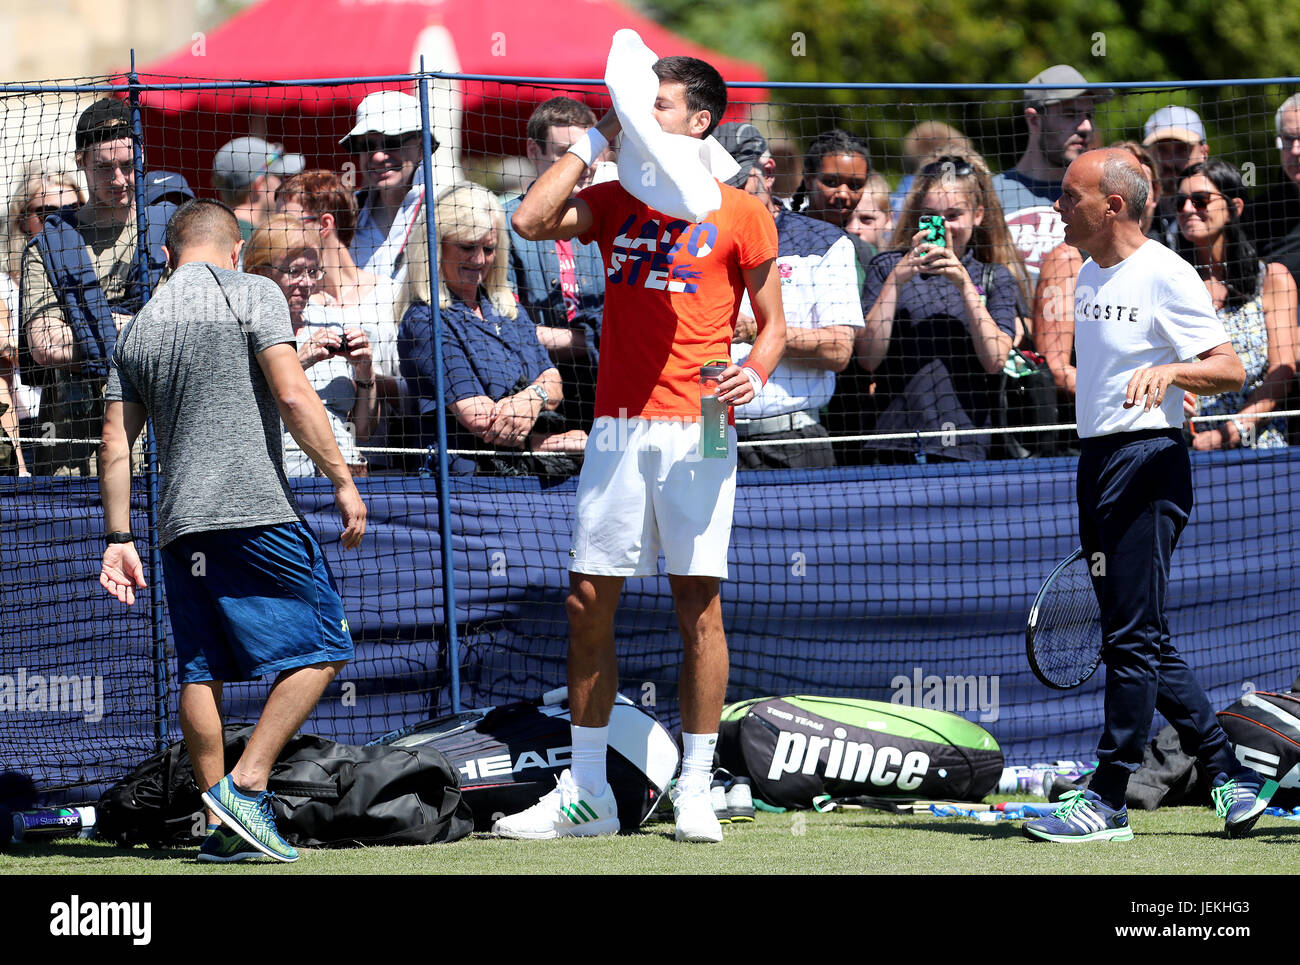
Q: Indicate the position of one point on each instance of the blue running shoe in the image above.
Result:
(222, 847)
(1082, 817)
(250, 817)
(1240, 802)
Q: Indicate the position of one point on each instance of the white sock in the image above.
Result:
(590, 745)
(697, 758)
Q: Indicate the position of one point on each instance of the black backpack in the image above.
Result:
(327, 795)
(1265, 732)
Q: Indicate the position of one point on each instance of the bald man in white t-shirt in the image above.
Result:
(1145, 333)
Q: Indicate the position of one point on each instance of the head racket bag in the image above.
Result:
(1265, 731)
(509, 756)
(794, 749)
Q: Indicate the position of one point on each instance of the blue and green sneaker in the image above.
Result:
(1240, 802)
(249, 816)
(1082, 817)
(222, 847)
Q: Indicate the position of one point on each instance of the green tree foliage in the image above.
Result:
(1002, 41)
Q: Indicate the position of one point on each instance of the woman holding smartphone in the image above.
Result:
(943, 314)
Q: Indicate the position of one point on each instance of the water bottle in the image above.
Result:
(713, 412)
(1038, 778)
(54, 822)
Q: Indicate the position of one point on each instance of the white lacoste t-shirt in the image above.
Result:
(1150, 309)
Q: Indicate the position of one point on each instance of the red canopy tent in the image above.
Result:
(282, 40)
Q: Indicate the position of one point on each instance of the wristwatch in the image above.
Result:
(541, 394)
(119, 537)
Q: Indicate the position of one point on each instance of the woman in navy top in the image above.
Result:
(500, 388)
(941, 318)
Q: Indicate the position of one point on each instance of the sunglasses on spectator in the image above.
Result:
(388, 143)
(299, 274)
(43, 211)
(1287, 142)
(958, 166)
(829, 180)
(1200, 199)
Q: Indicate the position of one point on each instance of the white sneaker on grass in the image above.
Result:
(568, 811)
(693, 809)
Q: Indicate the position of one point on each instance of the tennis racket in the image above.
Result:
(1063, 638)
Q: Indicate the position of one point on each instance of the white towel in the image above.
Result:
(672, 173)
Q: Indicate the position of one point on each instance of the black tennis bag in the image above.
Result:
(794, 749)
(1265, 731)
(510, 756)
(327, 795)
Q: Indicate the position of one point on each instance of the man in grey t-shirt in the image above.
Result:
(212, 359)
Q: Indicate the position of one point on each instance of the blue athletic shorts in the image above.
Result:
(247, 602)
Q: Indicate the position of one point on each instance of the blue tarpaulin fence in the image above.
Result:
(843, 582)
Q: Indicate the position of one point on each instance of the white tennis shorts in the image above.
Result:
(644, 487)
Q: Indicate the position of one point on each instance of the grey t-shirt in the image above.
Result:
(190, 360)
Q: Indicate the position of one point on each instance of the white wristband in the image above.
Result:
(589, 146)
(755, 379)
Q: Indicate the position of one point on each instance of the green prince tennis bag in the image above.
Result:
(794, 749)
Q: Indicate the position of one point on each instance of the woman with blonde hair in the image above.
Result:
(501, 391)
(337, 360)
(942, 315)
(42, 191)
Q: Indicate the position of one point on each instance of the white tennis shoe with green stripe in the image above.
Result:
(568, 811)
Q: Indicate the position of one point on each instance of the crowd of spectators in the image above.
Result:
(889, 334)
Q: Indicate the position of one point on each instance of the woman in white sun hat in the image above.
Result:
(386, 140)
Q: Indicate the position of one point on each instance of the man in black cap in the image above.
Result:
(748, 147)
(81, 283)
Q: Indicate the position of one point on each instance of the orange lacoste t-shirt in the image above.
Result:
(672, 291)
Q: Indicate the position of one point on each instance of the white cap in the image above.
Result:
(1173, 123)
(387, 112)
